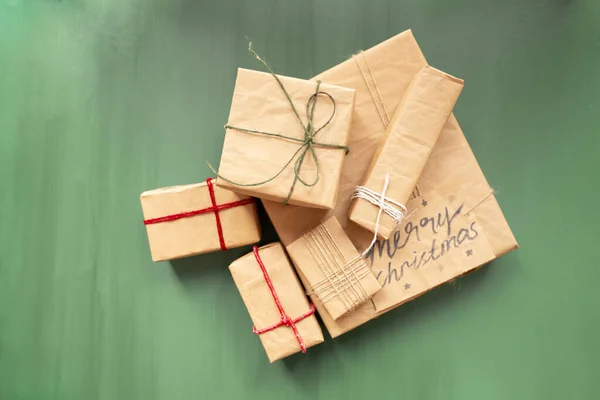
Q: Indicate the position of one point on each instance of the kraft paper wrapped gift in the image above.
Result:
(337, 275)
(276, 302)
(404, 150)
(451, 187)
(251, 154)
(194, 219)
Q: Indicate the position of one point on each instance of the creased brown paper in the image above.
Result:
(252, 285)
(445, 240)
(336, 273)
(260, 104)
(197, 234)
(380, 76)
(405, 147)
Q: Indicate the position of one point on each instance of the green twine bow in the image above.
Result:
(308, 143)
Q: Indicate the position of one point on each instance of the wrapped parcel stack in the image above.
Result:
(368, 179)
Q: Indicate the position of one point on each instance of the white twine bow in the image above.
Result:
(386, 205)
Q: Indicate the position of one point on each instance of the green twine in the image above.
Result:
(307, 143)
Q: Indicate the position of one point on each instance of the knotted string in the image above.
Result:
(285, 319)
(386, 205)
(308, 143)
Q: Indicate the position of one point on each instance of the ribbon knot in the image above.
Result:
(285, 320)
(308, 143)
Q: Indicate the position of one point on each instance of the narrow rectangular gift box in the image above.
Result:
(276, 302)
(452, 176)
(335, 273)
(404, 150)
(267, 141)
(194, 219)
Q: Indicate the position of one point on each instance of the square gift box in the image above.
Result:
(332, 269)
(286, 139)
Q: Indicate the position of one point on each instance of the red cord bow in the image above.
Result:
(285, 320)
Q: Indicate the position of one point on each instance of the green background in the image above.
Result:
(103, 99)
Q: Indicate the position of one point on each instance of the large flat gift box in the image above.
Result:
(278, 307)
(265, 139)
(457, 226)
(200, 218)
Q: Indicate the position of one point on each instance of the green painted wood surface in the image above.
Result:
(102, 99)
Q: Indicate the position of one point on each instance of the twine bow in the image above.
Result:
(308, 142)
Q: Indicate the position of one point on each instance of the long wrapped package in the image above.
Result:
(279, 308)
(457, 224)
(404, 150)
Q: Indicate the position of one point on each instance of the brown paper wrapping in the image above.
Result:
(381, 76)
(407, 144)
(445, 241)
(260, 104)
(197, 234)
(335, 272)
(250, 281)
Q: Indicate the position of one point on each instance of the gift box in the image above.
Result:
(404, 150)
(285, 139)
(193, 219)
(334, 272)
(282, 315)
(451, 189)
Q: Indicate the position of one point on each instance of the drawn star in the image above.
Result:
(469, 253)
(424, 202)
(406, 286)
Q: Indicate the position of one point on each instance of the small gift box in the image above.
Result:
(279, 308)
(194, 219)
(335, 273)
(404, 150)
(285, 139)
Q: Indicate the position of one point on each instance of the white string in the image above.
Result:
(386, 205)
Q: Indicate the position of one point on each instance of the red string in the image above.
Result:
(213, 199)
(285, 320)
(213, 208)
